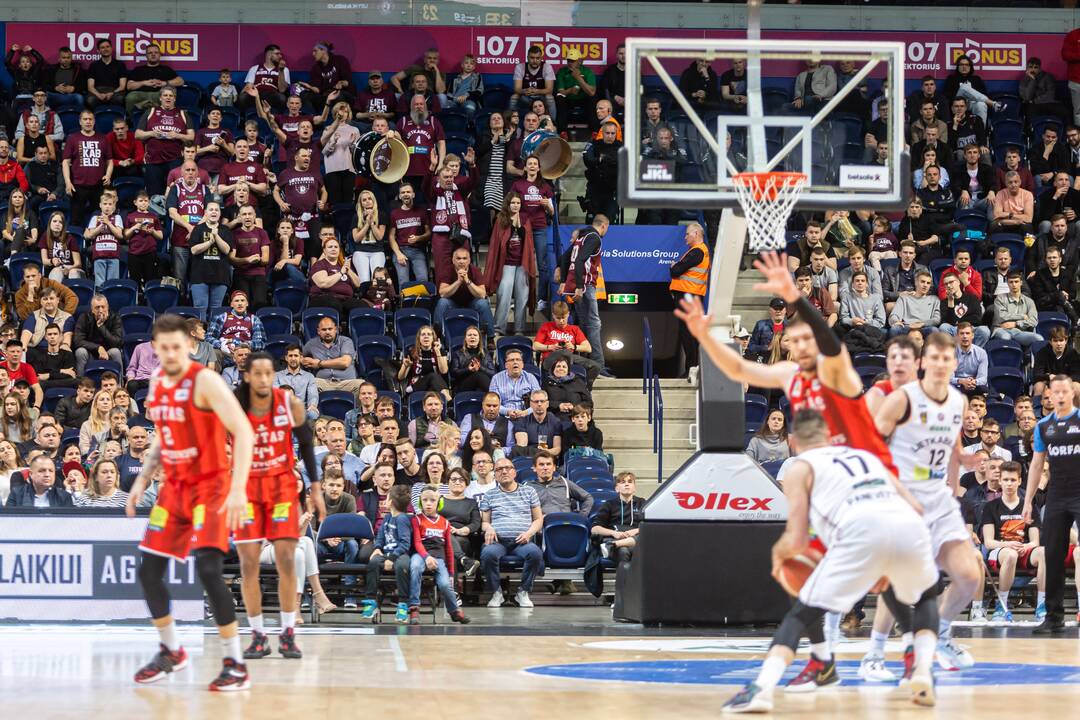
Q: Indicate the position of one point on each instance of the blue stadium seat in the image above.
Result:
(291, 295)
(584, 467)
(1009, 381)
(1008, 131)
(513, 341)
(366, 321)
(407, 322)
(160, 297)
(526, 475)
(346, 525)
(127, 188)
(188, 312)
(597, 483)
(121, 292)
(888, 263)
(868, 375)
(310, 319)
(19, 261)
(71, 435)
(53, 396)
(189, 96)
(1041, 123)
(1005, 353)
(454, 121)
(416, 405)
(772, 467)
(131, 341)
(1000, 409)
(95, 368)
(939, 266)
(522, 463)
(876, 360)
(104, 117)
(370, 348)
(566, 540)
(276, 320)
(496, 97)
(136, 318)
(277, 344)
(336, 403)
(425, 301)
(467, 403)
(972, 220)
(599, 498)
(1016, 246)
(756, 408)
(83, 289)
(70, 120)
(1048, 319)
(456, 322)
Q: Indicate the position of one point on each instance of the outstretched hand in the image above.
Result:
(691, 312)
(778, 280)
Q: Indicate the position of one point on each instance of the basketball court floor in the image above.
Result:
(540, 664)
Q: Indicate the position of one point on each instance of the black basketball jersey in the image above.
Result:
(1059, 438)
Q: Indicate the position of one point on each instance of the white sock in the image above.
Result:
(821, 651)
(877, 641)
(771, 671)
(168, 636)
(288, 619)
(925, 646)
(1003, 599)
(945, 629)
(256, 623)
(908, 639)
(1041, 598)
(230, 648)
(832, 624)
(976, 604)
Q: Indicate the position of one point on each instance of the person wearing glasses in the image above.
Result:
(989, 437)
(510, 517)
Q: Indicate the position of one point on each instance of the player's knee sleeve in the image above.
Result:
(900, 612)
(795, 623)
(926, 616)
(209, 565)
(152, 579)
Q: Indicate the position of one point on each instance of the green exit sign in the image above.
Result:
(622, 299)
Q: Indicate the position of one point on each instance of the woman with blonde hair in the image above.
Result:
(331, 280)
(449, 444)
(18, 425)
(368, 237)
(11, 462)
(103, 487)
(98, 422)
(60, 251)
(339, 175)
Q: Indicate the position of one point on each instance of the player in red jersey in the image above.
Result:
(273, 508)
(822, 378)
(199, 503)
(902, 367)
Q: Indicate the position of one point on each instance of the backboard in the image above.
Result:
(851, 92)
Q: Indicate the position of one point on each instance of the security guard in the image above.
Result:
(690, 275)
(1057, 439)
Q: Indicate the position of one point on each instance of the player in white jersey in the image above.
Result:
(922, 421)
(870, 525)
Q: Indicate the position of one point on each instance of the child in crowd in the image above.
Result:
(105, 230)
(434, 552)
(882, 243)
(392, 546)
(225, 93)
(257, 150)
(618, 520)
(380, 292)
(467, 87)
(583, 433)
(143, 232)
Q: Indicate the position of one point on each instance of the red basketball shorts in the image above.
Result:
(188, 516)
(273, 510)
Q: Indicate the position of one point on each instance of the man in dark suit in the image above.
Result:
(41, 492)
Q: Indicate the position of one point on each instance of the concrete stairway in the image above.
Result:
(622, 413)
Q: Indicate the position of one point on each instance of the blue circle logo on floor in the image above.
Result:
(740, 672)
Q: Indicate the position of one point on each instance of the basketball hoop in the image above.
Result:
(767, 199)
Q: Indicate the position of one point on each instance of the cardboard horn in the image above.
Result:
(385, 159)
(554, 153)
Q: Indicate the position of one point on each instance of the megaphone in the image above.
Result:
(553, 152)
(381, 158)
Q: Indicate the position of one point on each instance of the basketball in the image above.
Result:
(794, 573)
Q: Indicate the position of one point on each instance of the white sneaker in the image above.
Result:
(922, 690)
(522, 599)
(951, 656)
(872, 669)
(496, 600)
(978, 614)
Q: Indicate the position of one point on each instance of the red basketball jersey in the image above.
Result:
(849, 420)
(273, 438)
(193, 441)
(885, 386)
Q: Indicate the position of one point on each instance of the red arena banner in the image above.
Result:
(997, 56)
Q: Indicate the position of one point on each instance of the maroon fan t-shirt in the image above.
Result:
(292, 144)
(407, 224)
(249, 243)
(257, 152)
(342, 288)
(212, 162)
(89, 156)
(301, 190)
(142, 242)
(160, 150)
(290, 125)
(232, 173)
(106, 245)
(533, 195)
(422, 141)
(369, 102)
(64, 248)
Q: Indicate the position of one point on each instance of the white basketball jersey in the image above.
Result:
(846, 482)
(922, 445)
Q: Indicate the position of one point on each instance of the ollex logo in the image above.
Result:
(657, 172)
(720, 501)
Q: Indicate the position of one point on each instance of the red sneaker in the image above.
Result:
(909, 665)
(287, 644)
(817, 674)
(233, 677)
(259, 647)
(164, 662)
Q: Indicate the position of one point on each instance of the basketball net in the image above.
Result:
(767, 200)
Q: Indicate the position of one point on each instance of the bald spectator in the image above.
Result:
(41, 491)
